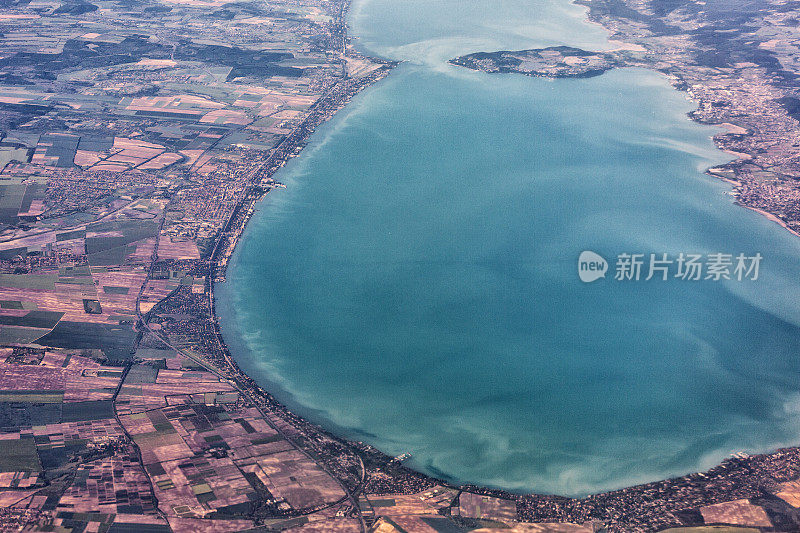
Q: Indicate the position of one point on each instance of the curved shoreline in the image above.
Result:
(741, 477)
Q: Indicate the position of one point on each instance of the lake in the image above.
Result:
(415, 285)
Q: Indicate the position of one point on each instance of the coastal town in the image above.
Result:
(738, 61)
(137, 138)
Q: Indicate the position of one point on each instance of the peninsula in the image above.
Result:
(737, 60)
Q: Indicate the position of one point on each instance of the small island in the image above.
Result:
(551, 62)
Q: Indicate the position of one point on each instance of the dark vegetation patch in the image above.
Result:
(77, 8)
(118, 527)
(30, 109)
(17, 197)
(222, 14)
(791, 105)
(101, 244)
(268, 439)
(85, 411)
(116, 341)
(157, 9)
(15, 414)
(250, 8)
(33, 319)
(7, 78)
(77, 54)
(92, 307)
(69, 235)
(111, 289)
(11, 253)
(243, 62)
(56, 457)
(19, 455)
(141, 374)
(112, 256)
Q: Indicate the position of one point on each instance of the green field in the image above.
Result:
(21, 335)
(31, 396)
(41, 282)
(19, 455)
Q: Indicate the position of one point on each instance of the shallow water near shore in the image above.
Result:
(415, 285)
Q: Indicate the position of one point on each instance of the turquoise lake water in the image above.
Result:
(415, 285)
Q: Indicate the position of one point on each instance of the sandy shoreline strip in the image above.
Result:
(767, 214)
